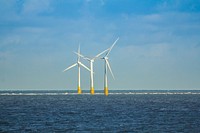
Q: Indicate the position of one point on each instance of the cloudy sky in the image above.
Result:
(159, 46)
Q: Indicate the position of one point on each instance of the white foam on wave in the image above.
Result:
(32, 94)
(158, 93)
(111, 93)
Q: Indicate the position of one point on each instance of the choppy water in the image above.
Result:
(121, 111)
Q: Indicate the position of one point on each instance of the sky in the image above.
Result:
(159, 45)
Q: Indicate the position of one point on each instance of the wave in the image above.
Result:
(35, 94)
(112, 93)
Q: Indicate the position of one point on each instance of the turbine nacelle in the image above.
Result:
(105, 58)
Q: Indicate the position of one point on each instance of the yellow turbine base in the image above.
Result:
(92, 91)
(79, 90)
(106, 91)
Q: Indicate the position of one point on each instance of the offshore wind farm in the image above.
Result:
(91, 60)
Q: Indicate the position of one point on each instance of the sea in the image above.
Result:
(134, 111)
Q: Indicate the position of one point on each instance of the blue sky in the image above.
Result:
(159, 46)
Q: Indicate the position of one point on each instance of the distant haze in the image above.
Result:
(159, 45)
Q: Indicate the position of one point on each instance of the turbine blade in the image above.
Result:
(84, 66)
(70, 67)
(86, 58)
(112, 46)
(108, 64)
(79, 48)
(100, 53)
(79, 52)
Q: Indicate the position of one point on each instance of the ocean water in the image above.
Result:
(121, 111)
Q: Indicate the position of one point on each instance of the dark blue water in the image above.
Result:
(121, 111)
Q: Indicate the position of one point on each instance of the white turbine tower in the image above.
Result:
(79, 70)
(91, 60)
(106, 67)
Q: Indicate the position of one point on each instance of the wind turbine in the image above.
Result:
(91, 60)
(78, 63)
(106, 67)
